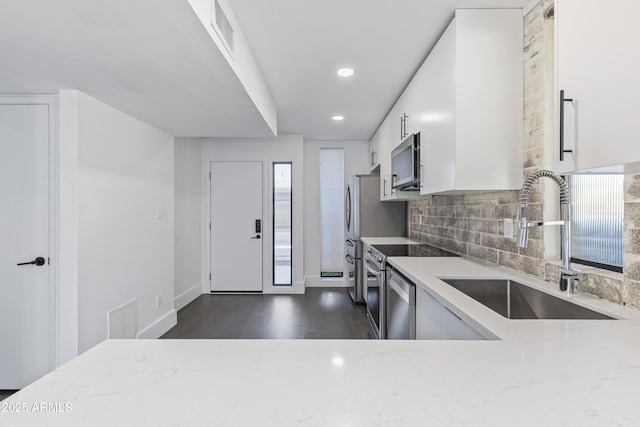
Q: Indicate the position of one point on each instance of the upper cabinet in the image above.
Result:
(374, 152)
(413, 102)
(386, 139)
(471, 104)
(597, 72)
(466, 100)
(389, 134)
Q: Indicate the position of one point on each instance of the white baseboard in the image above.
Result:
(325, 282)
(187, 296)
(160, 326)
(283, 290)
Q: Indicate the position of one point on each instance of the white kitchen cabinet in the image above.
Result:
(414, 101)
(434, 321)
(386, 133)
(397, 121)
(598, 71)
(374, 153)
(471, 104)
(388, 137)
(405, 116)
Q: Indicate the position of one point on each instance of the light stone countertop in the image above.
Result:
(389, 241)
(537, 373)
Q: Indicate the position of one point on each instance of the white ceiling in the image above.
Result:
(155, 60)
(152, 59)
(300, 44)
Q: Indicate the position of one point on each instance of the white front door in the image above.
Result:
(237, 226)
(26, 294)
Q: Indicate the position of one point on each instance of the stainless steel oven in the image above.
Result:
(375, 265)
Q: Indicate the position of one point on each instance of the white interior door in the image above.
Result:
(236, 240)
(26, 323)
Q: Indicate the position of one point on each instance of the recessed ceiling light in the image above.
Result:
(345, 72)
(338, 118)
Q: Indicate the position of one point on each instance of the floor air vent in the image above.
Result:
(123, 321)
(331, 274)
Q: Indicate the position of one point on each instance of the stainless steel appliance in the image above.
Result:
(376, 289)
(367, 216)
(375, 267)
(354, 275)
(405, 164)
(401, 306)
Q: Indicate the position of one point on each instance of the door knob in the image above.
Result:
(257, 236)
(40, 261)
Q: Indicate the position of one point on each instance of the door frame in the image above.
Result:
(266, 224)
(51, 102)
(288, 148)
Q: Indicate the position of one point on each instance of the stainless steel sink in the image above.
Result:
(514, 300)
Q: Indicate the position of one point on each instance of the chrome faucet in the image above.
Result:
(567, 274)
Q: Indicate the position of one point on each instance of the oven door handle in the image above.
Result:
(371, 269)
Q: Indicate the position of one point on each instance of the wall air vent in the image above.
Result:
(122, 321)
(221, 24)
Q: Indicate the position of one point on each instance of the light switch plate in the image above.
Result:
(160, 213)
(508, 228)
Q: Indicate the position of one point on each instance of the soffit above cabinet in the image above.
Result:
(155, 60)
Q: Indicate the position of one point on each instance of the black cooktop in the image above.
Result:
(420, 250)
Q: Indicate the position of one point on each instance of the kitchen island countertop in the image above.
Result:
(533, 373)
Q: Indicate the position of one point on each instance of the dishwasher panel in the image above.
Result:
(401, 307)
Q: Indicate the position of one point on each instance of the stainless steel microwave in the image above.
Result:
(405, 164)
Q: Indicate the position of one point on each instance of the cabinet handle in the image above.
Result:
(421, 176)
(401, 128)
(562, 101)
(384, 188)
(373, 158)
(405, 133)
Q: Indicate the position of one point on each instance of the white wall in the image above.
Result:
(188, 220)
(67, 298)
(125, 173)
(281, 149)
(356, 155)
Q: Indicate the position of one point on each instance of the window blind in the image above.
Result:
(597, 234)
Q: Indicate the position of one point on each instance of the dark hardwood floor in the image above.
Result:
(320, 313)
(6, 393)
